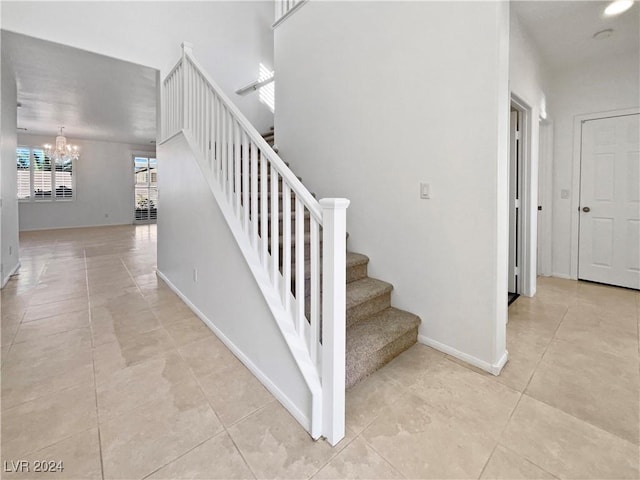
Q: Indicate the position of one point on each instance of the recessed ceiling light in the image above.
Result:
(618, 7)
(602, 34)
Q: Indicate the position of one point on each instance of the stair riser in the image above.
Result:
(366, 366)
(368, 308)
(356, 272)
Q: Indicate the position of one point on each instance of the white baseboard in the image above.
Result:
(562, 275)
(13, 271)
(269, 385)
(70, 227)
(493, 369)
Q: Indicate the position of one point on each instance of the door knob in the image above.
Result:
(586, 209)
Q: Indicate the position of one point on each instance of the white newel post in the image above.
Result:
(334, 286)
(187, 49)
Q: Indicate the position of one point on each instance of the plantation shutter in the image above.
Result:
(41, 175)
(24, 172)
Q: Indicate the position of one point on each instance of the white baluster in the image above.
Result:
(334, 251)
(230, 124)
(208, 130)
(203, 116)
(187, 49)
(314, 314)
(299, 262)
(224, 150)
(286, 245)
(275, 240)
(199, 110)
(236, 168)
(254, 196)
(245, 183)
(264, 212)
(217, 136)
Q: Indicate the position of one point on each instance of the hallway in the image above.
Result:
(106, 370)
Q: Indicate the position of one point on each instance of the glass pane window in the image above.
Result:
(145, 170)
(40, 179)
(64, 179)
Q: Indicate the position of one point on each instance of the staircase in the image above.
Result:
(376, 331)
(335, 323)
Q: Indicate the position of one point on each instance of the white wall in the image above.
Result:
(418, 92)
(192, 233)
(8, 178)
(593, 88)
(231, 38)
(104, 187)
(527, 81)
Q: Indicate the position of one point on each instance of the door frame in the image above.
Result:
(578, 121)
(515, 212)
(545, 197)
(528, 197)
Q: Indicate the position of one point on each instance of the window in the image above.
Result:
(146, 189)
(267, 93)
(39, 180)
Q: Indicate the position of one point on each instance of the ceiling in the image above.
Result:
(94, 97)
(101, 98)
(563, 30)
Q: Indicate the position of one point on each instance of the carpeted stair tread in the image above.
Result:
(375, 341)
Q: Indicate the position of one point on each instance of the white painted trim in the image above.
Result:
(13, 271)
(171, 137)
(291, 11)
(269, 385)
(545, 173)
(527, 282)
(578, 120)
(561, 275)
(142, 153)
(493, 369)
(67, 228)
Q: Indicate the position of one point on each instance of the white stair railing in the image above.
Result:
(284, 8)
(270, 212)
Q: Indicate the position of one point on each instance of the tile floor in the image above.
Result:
(105, 369)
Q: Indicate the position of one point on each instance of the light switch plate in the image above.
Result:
(425, 191)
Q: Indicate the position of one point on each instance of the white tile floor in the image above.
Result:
(106, 370)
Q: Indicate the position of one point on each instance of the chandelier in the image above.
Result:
(62, 152)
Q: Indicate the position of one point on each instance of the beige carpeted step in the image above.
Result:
(366, 297)
(374, 342)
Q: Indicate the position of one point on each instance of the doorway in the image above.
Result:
(516, 140)
(609, 206)
(145, 173)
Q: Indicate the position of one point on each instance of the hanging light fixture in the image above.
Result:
(62, 151)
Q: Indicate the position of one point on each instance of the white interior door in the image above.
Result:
(609, 242)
